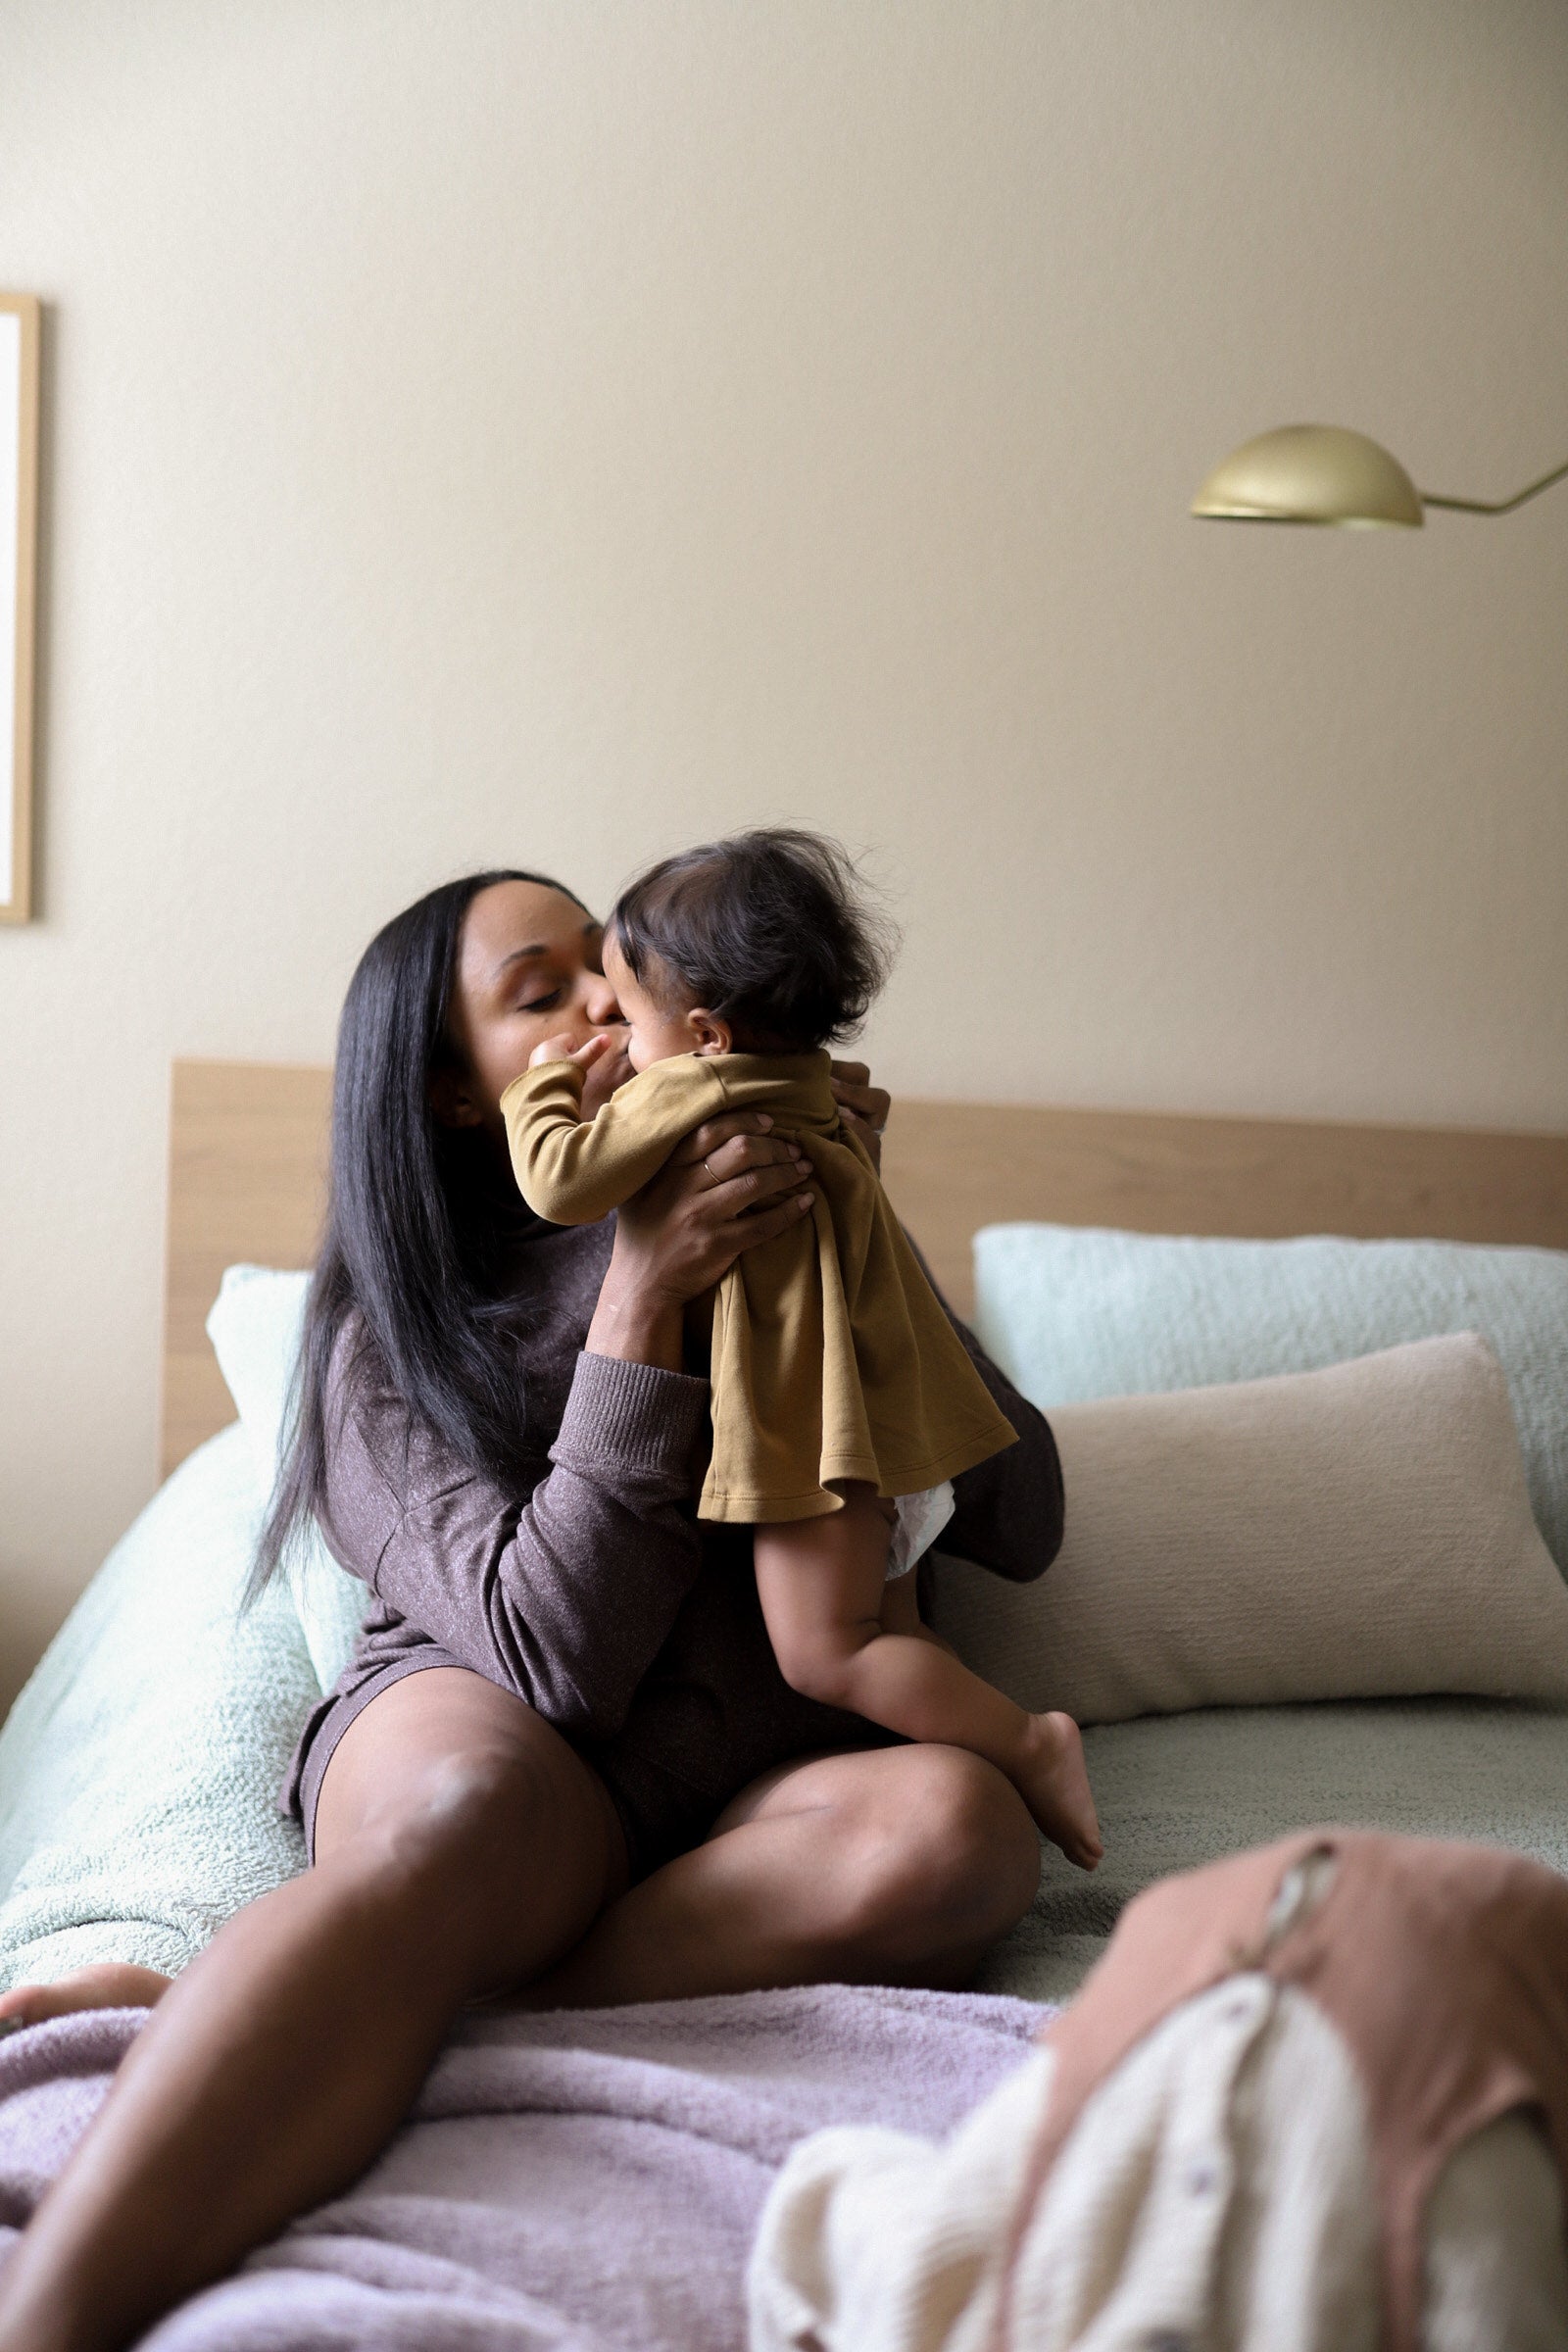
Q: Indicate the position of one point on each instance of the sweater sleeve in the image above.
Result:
(1009, 1511)
(566, 1597)
(574, 1170)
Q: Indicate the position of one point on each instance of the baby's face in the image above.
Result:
(653, 1033)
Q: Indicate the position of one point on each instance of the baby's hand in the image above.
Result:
(562, 1048)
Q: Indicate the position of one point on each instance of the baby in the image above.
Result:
(843, 1400)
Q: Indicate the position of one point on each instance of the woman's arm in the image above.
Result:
(564, 1597)
(1008, 1513)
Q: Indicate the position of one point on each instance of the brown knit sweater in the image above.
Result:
(591, 1591)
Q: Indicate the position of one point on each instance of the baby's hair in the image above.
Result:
(769, 930)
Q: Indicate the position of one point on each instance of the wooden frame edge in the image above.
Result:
(27, 309)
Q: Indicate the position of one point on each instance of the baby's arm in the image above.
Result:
(574, 1170)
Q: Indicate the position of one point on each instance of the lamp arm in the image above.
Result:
(1506, 506)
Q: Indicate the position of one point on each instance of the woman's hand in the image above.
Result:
(862, 1105)
(729, 1185)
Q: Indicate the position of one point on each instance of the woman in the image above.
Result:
(563, 1765)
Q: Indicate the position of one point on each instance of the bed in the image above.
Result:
(197, 1713)
(247, 1146)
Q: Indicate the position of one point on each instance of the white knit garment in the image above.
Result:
(1215, 2195)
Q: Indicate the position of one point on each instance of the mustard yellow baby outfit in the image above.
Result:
(832, 1357)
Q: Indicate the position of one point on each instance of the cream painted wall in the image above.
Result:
(484, 430)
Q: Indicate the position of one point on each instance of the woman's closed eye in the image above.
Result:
(541, 1002)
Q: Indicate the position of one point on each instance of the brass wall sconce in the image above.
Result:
(1325, 474)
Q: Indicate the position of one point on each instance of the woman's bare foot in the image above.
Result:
(1052, 1779)
(110, 1984)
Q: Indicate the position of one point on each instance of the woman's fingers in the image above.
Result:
(755, 1156)
(751, 1188)
(725, 1148)
(865, 1106)
(703, 1141)
(765, 1224)
(871, 1103)
(729, 1186)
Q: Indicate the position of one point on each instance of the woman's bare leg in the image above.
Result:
(822, 1582)
(893, 1866)
(461, 1846)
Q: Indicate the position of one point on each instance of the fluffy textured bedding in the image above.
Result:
(587, 2182)
(1176, 1790)
(139, 1769)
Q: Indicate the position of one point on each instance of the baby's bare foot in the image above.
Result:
(110, 1984)
(1054, 1783)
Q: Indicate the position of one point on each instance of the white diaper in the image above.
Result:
(917, 1520)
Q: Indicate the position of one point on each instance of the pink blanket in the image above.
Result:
(587, 2182)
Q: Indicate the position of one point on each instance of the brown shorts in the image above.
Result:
(661, 1815)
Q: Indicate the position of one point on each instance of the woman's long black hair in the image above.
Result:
(419, 1217)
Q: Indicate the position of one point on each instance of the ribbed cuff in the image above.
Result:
(632, 1416)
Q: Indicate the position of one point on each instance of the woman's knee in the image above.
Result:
(481, 1865)
(470, 1810)
(443, 1840)
(465, 1797)
(445, 1771)
(960, 1861)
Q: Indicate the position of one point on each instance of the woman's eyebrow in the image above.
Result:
(517, 956)
(539, 948)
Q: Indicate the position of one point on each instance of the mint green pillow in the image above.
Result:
(1074, 1312)
(139, 1770)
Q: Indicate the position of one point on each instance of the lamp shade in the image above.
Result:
(1311, 474)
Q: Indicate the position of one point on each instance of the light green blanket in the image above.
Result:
(139, 1768)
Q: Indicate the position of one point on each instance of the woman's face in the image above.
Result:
(530, 967)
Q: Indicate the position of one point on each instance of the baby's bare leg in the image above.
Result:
(900, 1612)
(822, 1584)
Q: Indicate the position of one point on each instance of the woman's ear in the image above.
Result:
(452, 1100)
(712, 1035)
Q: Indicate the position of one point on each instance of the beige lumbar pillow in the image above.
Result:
(1352, 1533)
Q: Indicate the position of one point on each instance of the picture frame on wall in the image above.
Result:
(19, 589)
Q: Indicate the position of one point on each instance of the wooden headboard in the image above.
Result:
(248, 1157)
